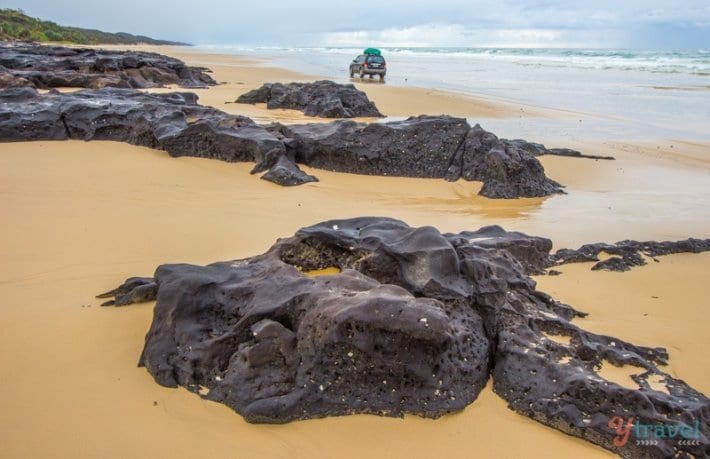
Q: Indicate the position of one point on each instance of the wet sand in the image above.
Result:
(78, 218)
(237, 75)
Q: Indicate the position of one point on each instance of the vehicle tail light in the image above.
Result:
(365, 65)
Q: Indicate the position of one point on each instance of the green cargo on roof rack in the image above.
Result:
(372, 52)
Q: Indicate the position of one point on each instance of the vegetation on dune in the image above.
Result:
(16, 25)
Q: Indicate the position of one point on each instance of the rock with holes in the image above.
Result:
(277, 345)
(625, 255)
(325, 99)
(44, 67)
(422, 146)
(532, 252)
(413, 321)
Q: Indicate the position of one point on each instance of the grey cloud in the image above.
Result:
(281, 22)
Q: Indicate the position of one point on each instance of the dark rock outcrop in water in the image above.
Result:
(424, 146)
(325, 99)
(414, 323)
(44, 67)
(625, 255)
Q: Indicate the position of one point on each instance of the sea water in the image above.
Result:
(615, 93)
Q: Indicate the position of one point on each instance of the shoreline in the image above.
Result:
(84, 216)
(388, 97)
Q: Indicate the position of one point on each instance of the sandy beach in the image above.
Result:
(80, 217)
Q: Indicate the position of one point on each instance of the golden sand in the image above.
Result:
(78, 218)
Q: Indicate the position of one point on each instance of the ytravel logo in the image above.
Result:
(650, 434)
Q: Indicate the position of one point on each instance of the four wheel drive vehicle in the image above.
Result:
(369, 63)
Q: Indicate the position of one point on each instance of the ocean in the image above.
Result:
(621, 94)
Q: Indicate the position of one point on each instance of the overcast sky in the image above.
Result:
(588, 23)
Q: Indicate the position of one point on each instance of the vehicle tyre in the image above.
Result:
(382, 77)
(362, 73)
(352, 74)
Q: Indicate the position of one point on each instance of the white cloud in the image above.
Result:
(420, 35)
(458, 35)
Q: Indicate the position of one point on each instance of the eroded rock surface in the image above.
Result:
(325, 99)
(625, 255)
(423, 146)
(173, 122)
(44, 67)
(538, 149)
(413, 323)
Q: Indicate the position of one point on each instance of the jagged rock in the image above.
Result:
(412, 323)
(286, 173)
(506, 169)
(575, 154)
(538, 149)
(173, 122)
(134, 290)
(44, 67)
(424, 146)
(325, 99)
(627, 254)
(532, 252)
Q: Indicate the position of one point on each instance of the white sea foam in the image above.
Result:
(670, 61)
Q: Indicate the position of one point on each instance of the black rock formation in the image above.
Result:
(414, 322)
(532, 252)
(625, 255)
(325, 99)
(173, 122)
(538, 149)
(424, 146)
(285, 172)
(44, 67)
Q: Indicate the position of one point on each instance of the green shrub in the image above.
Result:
(14, 24)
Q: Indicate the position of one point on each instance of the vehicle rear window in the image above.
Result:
(376, 59)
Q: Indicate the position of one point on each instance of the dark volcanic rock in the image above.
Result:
(134, 290)
(416, 147)
(325, 99)
(532, 252)
(392, 333)
(627, 254)
(537, 149)
(285, 172)
(412, 323)
(173, 122)
(46, 67)
(506, 169)
(424, 146)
